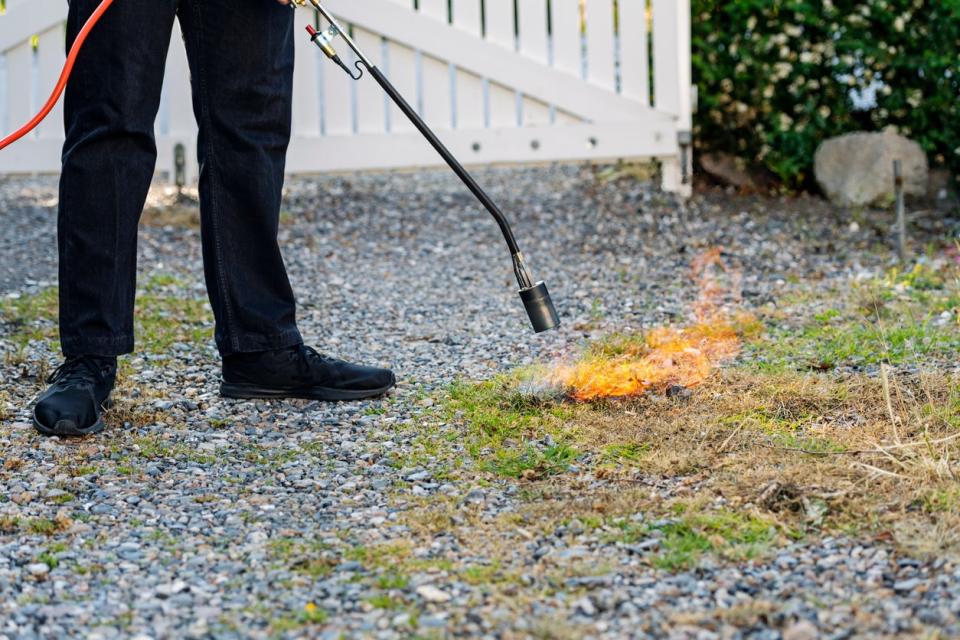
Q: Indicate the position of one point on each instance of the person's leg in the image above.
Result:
(241, 60)
(108, 162)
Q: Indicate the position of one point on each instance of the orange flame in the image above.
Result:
(667, 356)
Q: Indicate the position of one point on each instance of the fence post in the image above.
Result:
(673, 86)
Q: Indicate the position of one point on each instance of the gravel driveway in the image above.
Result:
(199, 517)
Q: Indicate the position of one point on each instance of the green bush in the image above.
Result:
(777, 77)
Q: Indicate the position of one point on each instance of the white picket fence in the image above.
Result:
(502, 81)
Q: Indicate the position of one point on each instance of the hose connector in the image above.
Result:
(324, 40)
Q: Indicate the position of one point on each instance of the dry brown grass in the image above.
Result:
(810, 448)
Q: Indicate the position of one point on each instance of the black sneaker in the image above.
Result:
(79, 390)
(300, 372)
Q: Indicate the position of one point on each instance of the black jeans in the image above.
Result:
(241, 62)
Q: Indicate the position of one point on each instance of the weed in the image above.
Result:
(42, 526)
(392, 581)
(383, 601)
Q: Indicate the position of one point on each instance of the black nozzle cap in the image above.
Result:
(540, 308)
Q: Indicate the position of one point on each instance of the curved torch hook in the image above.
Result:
(535, 296)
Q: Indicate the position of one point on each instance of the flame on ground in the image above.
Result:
(667, 356)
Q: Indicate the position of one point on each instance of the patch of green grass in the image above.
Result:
(49, 557)
(379, 556)
(617, 344)
(774, 420)
(42, 526)
(30, 318)
(945, 500)
(83, 470)
(684, 540)
(502, 426)
(893, 319)
(384, 601)
(156, 448)
(858, 342)
(483, 574)
(628, 452)
(515, 463)
(392, 581)
(164, 316)
(811, 444)
(310, 616)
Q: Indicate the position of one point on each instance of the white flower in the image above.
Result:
(899, 24)
(782, 70)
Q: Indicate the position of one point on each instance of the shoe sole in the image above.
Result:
(253, 392)
(64, 429)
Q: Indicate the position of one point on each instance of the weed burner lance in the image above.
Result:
(536, 298)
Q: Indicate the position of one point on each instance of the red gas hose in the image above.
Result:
(64, 76)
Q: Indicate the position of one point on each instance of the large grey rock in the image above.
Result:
(857, 169)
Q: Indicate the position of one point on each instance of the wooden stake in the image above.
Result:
(901, 211)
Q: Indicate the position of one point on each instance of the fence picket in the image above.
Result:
(600, 43)
(533, 43)
(337, 96)
(371, 102)
(567, 36)
(50, 58)
(501, 30)
(634, 50)
(19, 84)
(436, 77)
(403, 70)
(470, 111)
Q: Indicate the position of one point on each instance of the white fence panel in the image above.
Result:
(501, 80)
